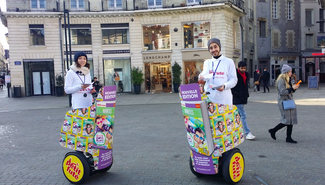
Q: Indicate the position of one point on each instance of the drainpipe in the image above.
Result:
(242, 40)
(61, 47)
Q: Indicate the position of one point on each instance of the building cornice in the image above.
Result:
(72, 14)
(189, 9)
(150, 12)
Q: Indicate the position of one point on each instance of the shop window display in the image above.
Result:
(196, 34)
(156, 37)
(122, 67)
(158, 77)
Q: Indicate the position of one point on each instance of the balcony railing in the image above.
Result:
(136, 6)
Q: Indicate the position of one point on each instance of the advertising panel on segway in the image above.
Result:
(89, 132)
(213, 131)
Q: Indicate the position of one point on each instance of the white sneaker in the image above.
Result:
(250, 136)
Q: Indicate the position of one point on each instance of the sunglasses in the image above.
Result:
(199, 137)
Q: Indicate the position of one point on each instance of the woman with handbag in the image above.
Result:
(285, 93)
(257, 78)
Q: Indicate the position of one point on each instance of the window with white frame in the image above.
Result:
(38, 4)
(274, 9)
(77, 4)
(114, 4)
(191, 2)
(309, 17)
(289, 10)
(154, 3)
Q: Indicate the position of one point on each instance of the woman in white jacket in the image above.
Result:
(78, 82)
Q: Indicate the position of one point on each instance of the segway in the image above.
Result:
(213, 133)
(89, 132)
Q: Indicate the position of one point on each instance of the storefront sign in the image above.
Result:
(7, 79)
(284, 58)
(156, 57)
(17, 62)
(312, 82)
(73, 52)
(116, 51)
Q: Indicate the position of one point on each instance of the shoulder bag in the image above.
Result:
(288, 104)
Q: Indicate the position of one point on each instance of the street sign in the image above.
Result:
(17, 62)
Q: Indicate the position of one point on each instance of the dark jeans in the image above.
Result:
(266, 85)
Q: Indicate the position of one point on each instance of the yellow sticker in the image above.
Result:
(73, 168)
(236, 167)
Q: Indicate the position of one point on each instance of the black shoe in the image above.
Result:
(272, 134)
(290, 140)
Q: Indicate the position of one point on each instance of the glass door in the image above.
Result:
(46, 83)
(37, 83)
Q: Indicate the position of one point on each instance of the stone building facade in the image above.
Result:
(117, 36)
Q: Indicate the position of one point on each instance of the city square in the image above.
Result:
(150, 141)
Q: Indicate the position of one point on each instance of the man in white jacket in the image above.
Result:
(219, 72)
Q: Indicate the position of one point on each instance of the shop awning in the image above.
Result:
(307, 54)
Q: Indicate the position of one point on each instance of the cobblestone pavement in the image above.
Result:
(150, 144)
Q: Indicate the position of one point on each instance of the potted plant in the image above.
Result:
(176, 69)
(59, 81)
(137, 79)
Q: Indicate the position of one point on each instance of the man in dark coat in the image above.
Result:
(240, 96)
(266, 79)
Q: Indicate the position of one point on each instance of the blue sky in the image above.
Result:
(3, 29)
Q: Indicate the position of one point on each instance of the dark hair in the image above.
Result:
(242, 64)
(97, 117)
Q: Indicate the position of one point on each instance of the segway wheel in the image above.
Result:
(75, 167)
(193, 171)
(233, 166)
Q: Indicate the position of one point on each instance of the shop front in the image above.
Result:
(121, 66)
(193, 59)
(313, 65)
(277, 60)
(158, 73)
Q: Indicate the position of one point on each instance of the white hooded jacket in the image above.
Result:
(223, 72)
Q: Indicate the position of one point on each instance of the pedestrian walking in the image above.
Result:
(219, 72)
(240, 96)
(257, 80)
(285, 92)
(1, 83)
(96, 85)
(266, 80)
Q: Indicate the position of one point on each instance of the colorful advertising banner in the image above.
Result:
(91, 129)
